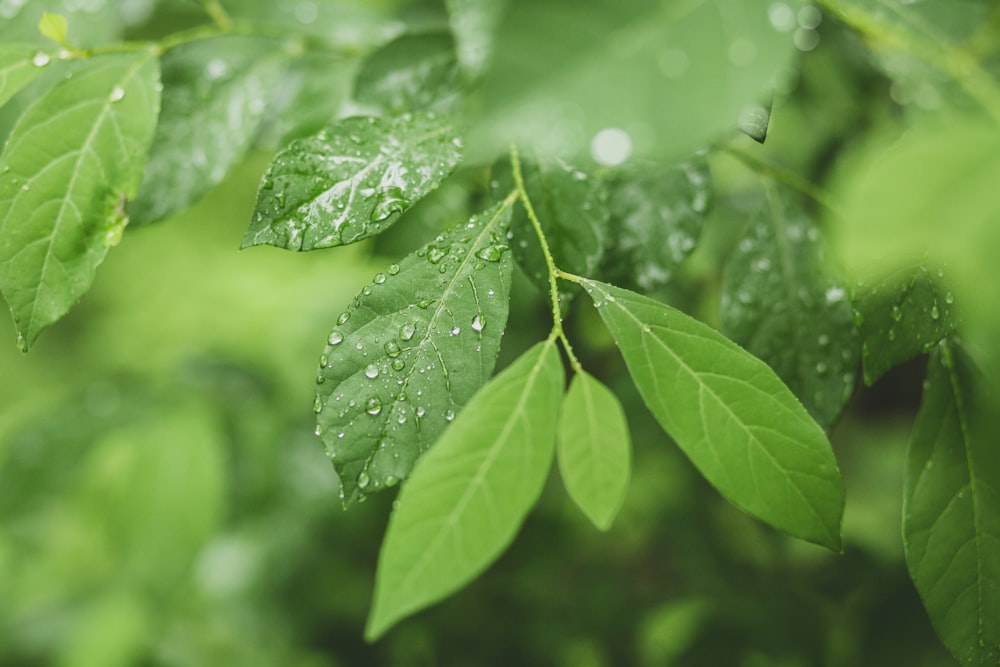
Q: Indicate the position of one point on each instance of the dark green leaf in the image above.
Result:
(627, 76)
(781, 304)
(473, 23)
(901, 318)
(951, 524)
(743, 429)
(657, 213)
(471, 492)
(73, 159)
(351, 181)
(215, 96)
(19, 65)
(411, 73)
(411, 350)
(595, 450)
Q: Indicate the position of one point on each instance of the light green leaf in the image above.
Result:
(469, 495)
(73, 159)
(54, 27)
(411, 73)
(411, 350)
(901, 317)
(780, 302)
(657, 213)
(91, 23)
(951, 511)
(215, 97)
(631, 76)
(741, 427)
(19, 65)
(473, 23)
(595, 450)
(351, 180)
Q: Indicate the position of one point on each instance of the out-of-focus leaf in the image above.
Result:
(411, 350)
(414, 72)
(351, 180)
(657, 213)
(54, 27)
(741, 427)
(469, 495)
(780, 302)
(216, 93)
(951, 524)
(73, 159)
(595, 450)
(473, 23)
(19, 65)
(900, 318)
(632, 76)
(89, 23)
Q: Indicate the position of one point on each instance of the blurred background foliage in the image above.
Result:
(163, 500)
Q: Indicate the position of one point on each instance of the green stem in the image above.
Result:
(557, 327)
(217, 13)
(786, 176)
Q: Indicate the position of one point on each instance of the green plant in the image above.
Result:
(577, 144)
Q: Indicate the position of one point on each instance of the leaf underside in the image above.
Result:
(411, 350)
(741, 427)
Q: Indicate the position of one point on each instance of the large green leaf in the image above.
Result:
(595, 450)
(411, 73)
(638, 76)
(19, 65)
(411, 350)
(657, 213)
(780, 302)
(744, 430)
(351, 180)
(74, 158)
(951, 512)
(901, 317)
(215, 96)
(469, 495)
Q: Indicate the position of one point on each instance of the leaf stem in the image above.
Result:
(554, 273)
(217, 13)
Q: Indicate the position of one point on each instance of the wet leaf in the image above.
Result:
(657, 213)
(19, 65)
(753, 122)
(780, 302)
(74, 157)
(414, 72)
(90, 23)
(215, 97)
(740, 426)
(54, 27)
(471, 492)
(595, 449)
(901, 317)
(351, 180)
(951, 525)
(473, 23)
(411, 350)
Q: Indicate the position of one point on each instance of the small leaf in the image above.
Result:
(351, 181)
(471, 492)
(781, 304)
(215, 98)
(54, 27)
(594, 449)
(411, 73)
(743, 429)
(951, 524)
(411, 350)
(753, 122)
(19, 65)
(657, 213)
(901, 317)
(72, 159)
(94, 23)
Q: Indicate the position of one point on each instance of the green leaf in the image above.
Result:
(780, 303)
(473, 23)
(628, 76)
(741, 427)
(215, 98)
(19, 65)
(411, 350)
(54, 27)
(351, 181)
(951, 512)
(901, 317)
(594, 449)
(471, 492)
(411, 73)
(657, 213)
(70, 163)
(93, 23)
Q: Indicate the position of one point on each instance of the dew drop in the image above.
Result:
(392, 349)
(407, 331)
(435, 255)
(41, 59)
(379, 278)
(456, 331)
(420, 411)
(391, 480)
(492, 253)
(363, 480)
(335, 338)
(935, 313)
(398, 364)
(449, 414)
(317, 404)
(949, 298)
(478, 322)
(117, 93)
(344, 316)
(319, 430)
(371, 372)
(393, 269)
(373, 406)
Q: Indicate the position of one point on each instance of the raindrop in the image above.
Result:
(323, 360)
(435, 254)
(317, 404)
(420, 411)
(392, 349)
(336, 338)
(371, 372)
(492, 253)
(935, 313)
(41, 59)
(456, 331)
(373, 406)
(949, 298)
(449, 414)
(344, 316)
(391, 480)
(363, 480)
(398, 364)
(897, 313)
(379, 278)
(424, 304)
(390, 200)
(393, 269)
(117, 93)
(319, 430)
(407, 331)
(478, 322)
(611, 146)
